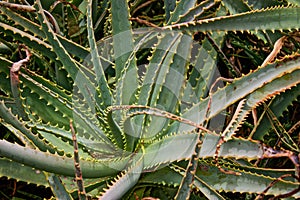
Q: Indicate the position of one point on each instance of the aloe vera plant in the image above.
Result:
(136, 112)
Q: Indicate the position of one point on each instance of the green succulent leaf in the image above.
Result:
(57, 187)
(278, 106)
(63, 165)
(296, 2)
(103, 88)
(156, 110)
(126, 180)
(182, 146)
(169, 7)
(197, 11)
(256, 83)
(73, 68)
(182, 7)
(225, 182)
(18, 171)
(266, 19)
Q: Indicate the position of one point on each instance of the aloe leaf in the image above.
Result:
(125, 62)
(123, 41)
(90, 125)
(165, 94)
(278, 106)
(61, 107)
(181, 8)
(33, 88)
(164, 175)
(267, 172)
(166, 63)
(57, 187)
(127, 84)
(115, 134)
(52, 108)
(18, 171)
(154, 78)
(260, 78)
(212, 176)
(187, 181)
(104, 91)
(296, 2)
(72, 47)
(231, 148)
(33, 42)
(92, 185)
(236, 121)
(11, 119)
(206, 189)
(247, 182)
(197, 10)
(63, 165)
(61, 145)
(23, 139)
(214, 180)
(170, 93)
(283, 135)
(14, 90)
(72, 67)
(126, 180)
(289, 80)
(93, 143)
(169, 7)
(22, 21)
(158, 68)
(57, 106)
(4, 74)
(172, 175)
(128, 126)
(256, 4)
(201, 76)
(38, 81)
(238, 6)
(267, 19)
(182, 147)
